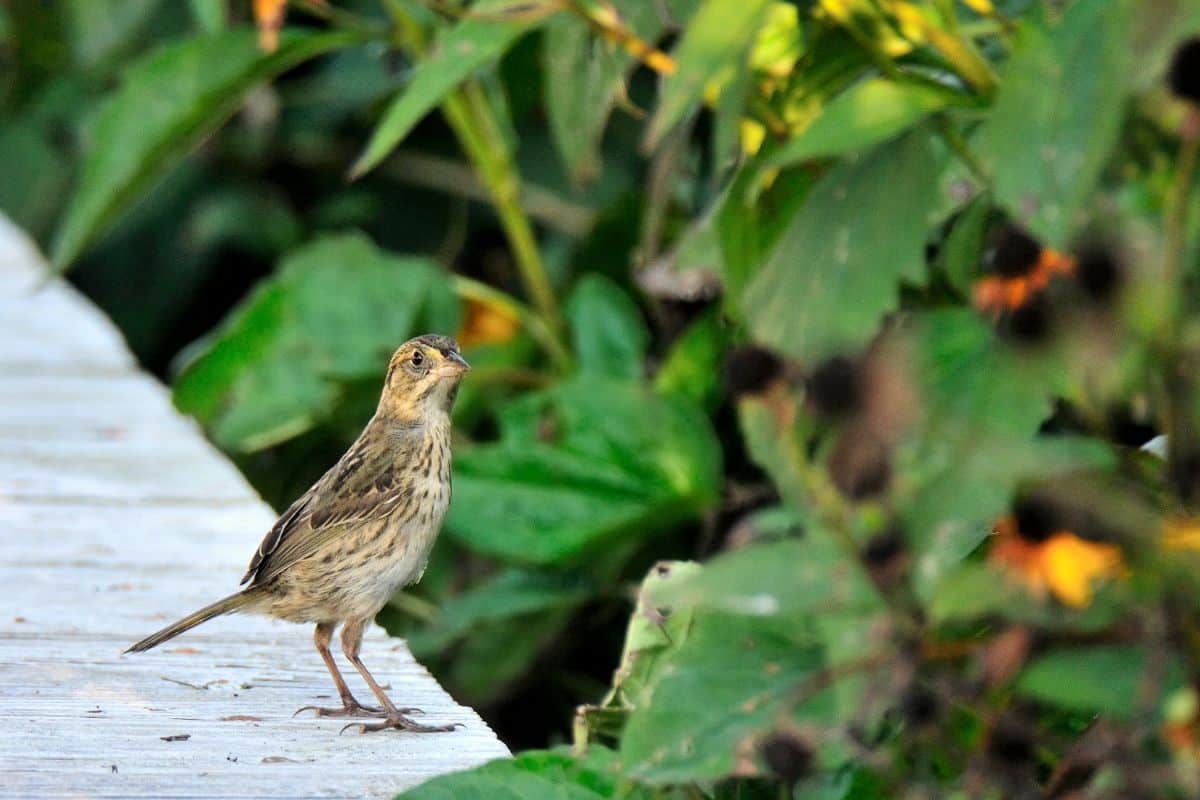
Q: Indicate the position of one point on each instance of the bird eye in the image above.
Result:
(418, 358)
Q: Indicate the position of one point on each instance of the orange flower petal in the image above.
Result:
(1071, 565)
(1065, 565)
(487, 323)
(268, 15)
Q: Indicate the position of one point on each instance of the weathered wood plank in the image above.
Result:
(116, 516)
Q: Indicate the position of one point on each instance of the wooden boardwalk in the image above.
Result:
(116, 516)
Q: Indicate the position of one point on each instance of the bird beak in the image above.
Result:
(454, 365)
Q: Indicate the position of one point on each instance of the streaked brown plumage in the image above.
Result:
(364, 529)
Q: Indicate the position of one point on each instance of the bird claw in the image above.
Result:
(399, 721)
(350, 708)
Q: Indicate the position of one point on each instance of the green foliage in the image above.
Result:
(167, 103)
(1103, 679)
(738, 285)
(1059, 114)
(718, 38)
(580, 468)
(835, 270)
(332, 315)
(463, 49)
(863, 116)
(607, 332)
(552, 774)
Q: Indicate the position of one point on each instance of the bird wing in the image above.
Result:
(362, 486)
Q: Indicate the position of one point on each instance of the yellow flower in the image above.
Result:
(268, 15)
(1181, 534)
(1064, 564)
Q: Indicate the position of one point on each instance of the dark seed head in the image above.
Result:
(1185, 473)
(1184, 74)
(751, 369)
(1030, 324)
(1010, 741)
(1129, 429)
(787, 756)
(1038, 518)
(884, 547)
(919, 705)
(834, 387)
(1099, 273)
(1015, 252)
(860, 466)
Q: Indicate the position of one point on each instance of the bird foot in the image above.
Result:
(350, 708)
(400, 721)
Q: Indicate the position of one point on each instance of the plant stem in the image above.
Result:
(1175, 207)
(954, 140)
(471, 117)
(474, 124)
(1178, 384)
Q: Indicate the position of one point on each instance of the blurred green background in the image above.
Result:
(868, 305)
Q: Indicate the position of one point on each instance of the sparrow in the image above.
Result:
(364, 530)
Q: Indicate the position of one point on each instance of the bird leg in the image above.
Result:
(397, 718)
(350, 706)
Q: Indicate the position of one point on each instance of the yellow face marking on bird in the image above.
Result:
(423, 373)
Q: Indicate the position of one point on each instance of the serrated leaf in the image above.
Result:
(1058, 115)
(837, 268)
(722, 690)
(581, 466)
(166, 104)
(334, 312)
(468, 46)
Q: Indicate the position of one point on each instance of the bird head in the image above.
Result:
(423, 377)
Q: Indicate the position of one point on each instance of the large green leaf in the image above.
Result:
(549, 774)
(866, 115)
(608, 333)
(471, 44)
(1103, 679)
(743, 225)
(334, 312)
(809, 574)
(718, 37)
(837, 267)
(724, 689)
(580, 466)
(982, 404)
(1058, 115)
(167, 103)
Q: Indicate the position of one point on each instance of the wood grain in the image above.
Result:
(117, 516)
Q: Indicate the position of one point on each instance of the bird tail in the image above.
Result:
(235, 602)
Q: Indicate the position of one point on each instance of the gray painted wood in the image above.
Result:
(116, 517)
